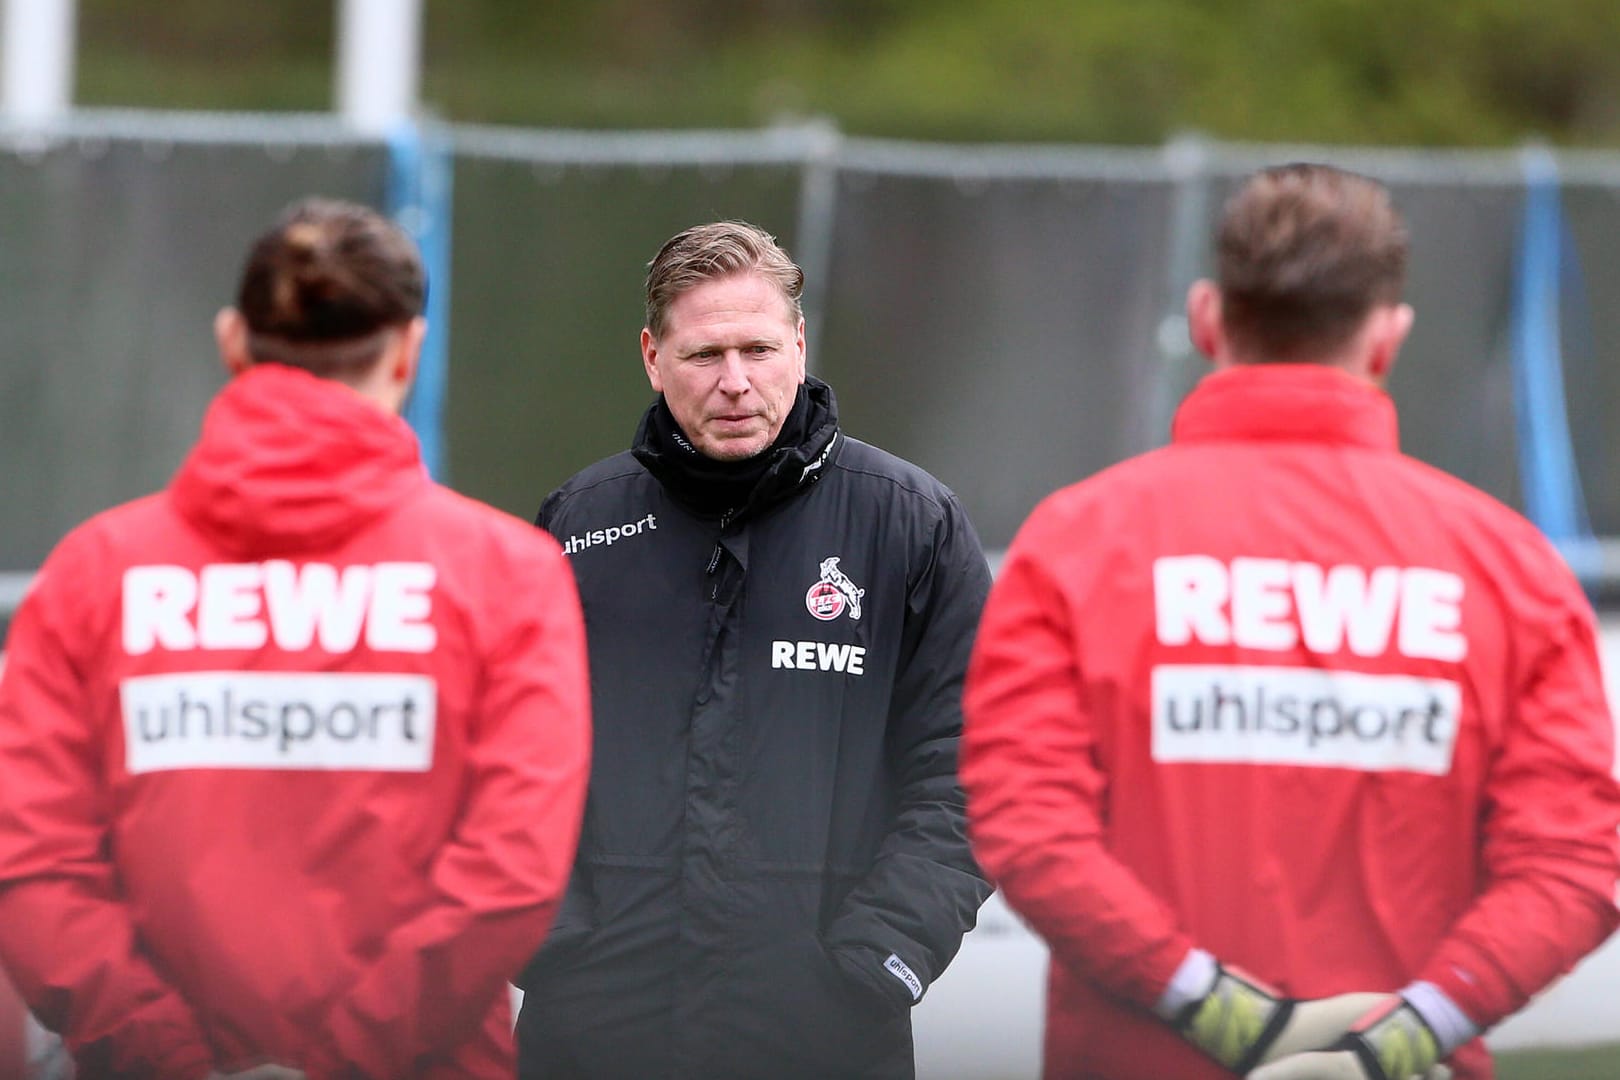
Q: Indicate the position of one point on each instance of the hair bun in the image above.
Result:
(330, 271)
(303, 239)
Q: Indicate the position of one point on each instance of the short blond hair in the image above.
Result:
(717, 250)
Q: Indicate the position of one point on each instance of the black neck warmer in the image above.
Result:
(712, 487)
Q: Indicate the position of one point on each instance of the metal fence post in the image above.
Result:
(379, 61)
(38, 62)
(1186, 160)
(818, 218)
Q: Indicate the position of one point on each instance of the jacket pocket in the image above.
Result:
(573, 927)
(808, 1017)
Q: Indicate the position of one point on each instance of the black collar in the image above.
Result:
(733, 489)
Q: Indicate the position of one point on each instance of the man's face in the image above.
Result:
(729, 362)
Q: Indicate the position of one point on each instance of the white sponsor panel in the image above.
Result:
(1277, 605)
(1304, 716)
(819, 656)
(247, 605)
(279, 720)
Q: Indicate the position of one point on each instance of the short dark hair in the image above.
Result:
(713, 251)
(324, 282)
(1303, 253)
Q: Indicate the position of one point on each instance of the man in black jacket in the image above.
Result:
(774, 866)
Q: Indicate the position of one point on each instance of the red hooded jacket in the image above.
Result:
(294, 757)
(1280, 692)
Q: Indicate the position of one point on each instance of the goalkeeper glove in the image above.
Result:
(1391, 1042)
(1241, 1022)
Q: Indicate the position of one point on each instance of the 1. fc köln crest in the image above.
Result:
(828, 597)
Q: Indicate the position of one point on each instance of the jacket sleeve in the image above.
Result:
(576, 917)
(66, 936)
(1036, 794)
(1551, 850)
(500, 879)
(924, 890)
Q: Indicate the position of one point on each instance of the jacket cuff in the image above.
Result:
(1194, 979)
(1451, 1026)
(884, 977)
(1479, 996)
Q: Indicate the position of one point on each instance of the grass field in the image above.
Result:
(1588, 1063)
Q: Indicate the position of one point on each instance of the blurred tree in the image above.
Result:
(196, 54)
(1454, 72)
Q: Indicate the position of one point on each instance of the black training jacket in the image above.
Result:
(774, 865)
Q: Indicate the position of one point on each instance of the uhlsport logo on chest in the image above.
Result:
(610, 535)
(833, 594)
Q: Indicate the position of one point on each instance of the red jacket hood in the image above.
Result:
(290, 462)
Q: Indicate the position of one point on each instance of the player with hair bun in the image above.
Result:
(294, 751)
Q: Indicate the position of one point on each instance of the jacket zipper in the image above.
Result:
(714, 559)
